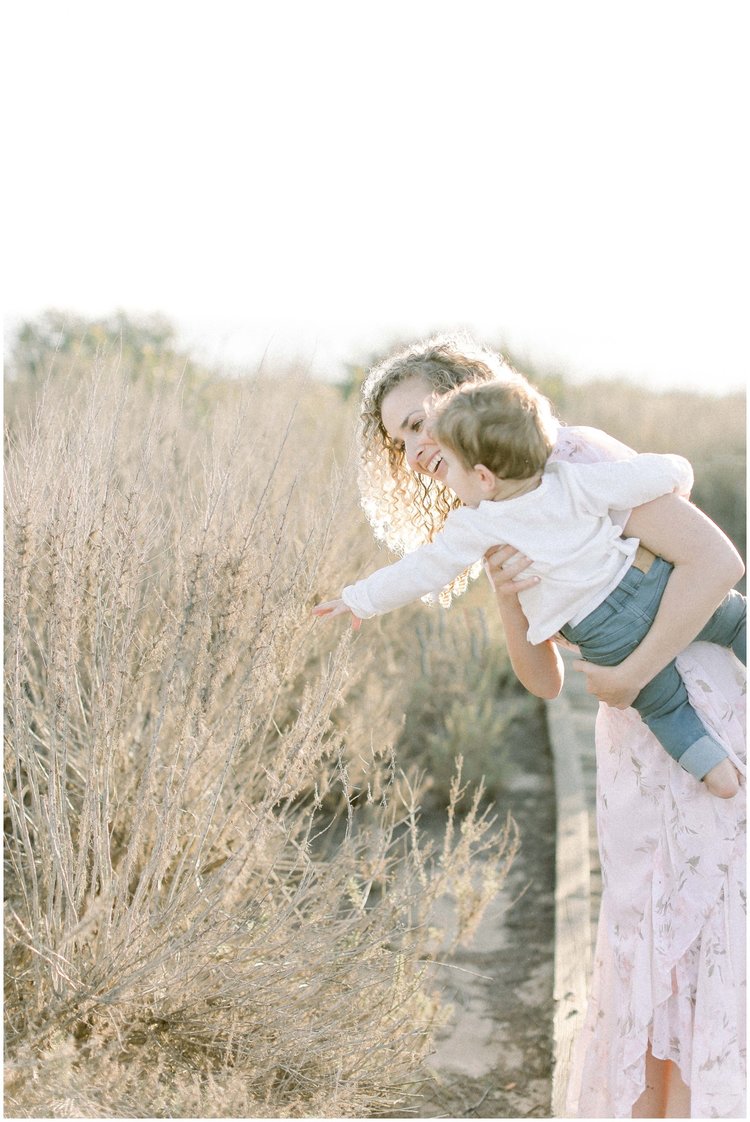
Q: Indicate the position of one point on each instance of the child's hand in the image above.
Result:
(331, 608)
(608, 683)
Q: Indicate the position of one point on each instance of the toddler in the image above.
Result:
(596, 588)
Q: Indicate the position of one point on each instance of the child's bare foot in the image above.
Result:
(722, 780)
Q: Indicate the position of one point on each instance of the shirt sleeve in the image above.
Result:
(624, 484)
(581, 444)
(462, 541)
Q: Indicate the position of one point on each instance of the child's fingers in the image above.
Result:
(333, 608)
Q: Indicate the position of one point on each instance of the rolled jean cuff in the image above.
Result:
(701, 756)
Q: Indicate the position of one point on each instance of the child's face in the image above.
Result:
(469, 484)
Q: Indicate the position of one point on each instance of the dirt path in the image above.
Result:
(494, 1059)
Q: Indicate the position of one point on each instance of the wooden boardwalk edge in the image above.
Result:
(572, 896)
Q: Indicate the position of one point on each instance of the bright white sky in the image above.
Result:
(567, 178)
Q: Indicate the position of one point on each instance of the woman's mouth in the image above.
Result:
(432, 465)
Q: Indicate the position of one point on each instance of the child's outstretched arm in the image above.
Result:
(331, 608)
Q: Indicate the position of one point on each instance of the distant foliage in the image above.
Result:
(62, 344)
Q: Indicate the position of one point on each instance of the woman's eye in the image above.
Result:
(417, 425)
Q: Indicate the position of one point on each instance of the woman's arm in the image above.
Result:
(706, 566)
(537, 666)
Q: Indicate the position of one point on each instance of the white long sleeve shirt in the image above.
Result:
(563, 525)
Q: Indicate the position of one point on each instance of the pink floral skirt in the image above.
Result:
(669, 965)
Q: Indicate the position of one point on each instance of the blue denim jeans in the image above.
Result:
(614, 629)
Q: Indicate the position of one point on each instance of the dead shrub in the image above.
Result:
(179, 942)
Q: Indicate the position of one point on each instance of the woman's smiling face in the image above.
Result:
(404, 418)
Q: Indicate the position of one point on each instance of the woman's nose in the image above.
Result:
(415, 447)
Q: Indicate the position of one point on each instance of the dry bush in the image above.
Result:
(460, 695)
(179, 939)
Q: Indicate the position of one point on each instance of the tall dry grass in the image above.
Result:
(180, 939)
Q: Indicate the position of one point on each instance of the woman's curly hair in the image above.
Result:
(406, 509)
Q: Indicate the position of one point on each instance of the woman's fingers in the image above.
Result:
(608, 684)
(503, 565)
(505, 561)
(497, 554)
(566, 644)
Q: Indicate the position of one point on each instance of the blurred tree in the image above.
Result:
(145, 346)
(351, 385)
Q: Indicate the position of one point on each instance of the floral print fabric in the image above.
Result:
(669, 964)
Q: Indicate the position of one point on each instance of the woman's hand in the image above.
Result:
(609, 683)
(537, 666)
(503, 564)
(331, 608)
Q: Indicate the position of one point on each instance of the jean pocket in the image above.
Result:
(614, 643)
(652, 586)
(602, 618)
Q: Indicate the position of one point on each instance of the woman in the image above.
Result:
(664, 1033)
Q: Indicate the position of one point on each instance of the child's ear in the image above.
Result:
(486, 477)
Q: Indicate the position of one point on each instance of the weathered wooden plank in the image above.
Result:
(572, 896)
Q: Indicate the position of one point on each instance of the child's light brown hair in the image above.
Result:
(506, 426)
